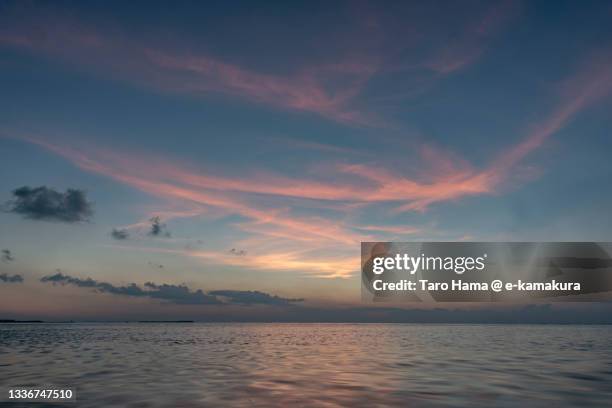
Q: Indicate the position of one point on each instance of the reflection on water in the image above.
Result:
(190, 365)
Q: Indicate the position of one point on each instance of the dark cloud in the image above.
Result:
(177, 294)
(10, 278)
(158, 229)
(120, 234)
(180, 294)
(43, 203)
(6, 255)
(237, 252)
(248, 297)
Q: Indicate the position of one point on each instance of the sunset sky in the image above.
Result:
(208, 150)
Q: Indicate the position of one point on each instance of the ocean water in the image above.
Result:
(263, 365)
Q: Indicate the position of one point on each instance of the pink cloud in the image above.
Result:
(391, 229)
(171, 182)
(326, 89)
(328, 267)
(298, 236)
(369, 184)
(333, 88)
(467, 47)
(305, 90)
(449, 177)
(590, 84)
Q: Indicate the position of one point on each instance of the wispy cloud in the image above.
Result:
(591, 83)
(261, 198)
(368, 185)
(308, 261)
(334, 87)
(211, 192)
(327, 89)
(272, 255)
(392, 229)
(305, 91)
(467, 47)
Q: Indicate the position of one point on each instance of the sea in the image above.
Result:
(302, 365)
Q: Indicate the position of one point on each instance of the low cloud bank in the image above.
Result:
(177, 294)
(248, 297)
(10, 278)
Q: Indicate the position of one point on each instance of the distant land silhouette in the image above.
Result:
(20, 321)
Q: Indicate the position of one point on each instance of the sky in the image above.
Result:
(224, 160)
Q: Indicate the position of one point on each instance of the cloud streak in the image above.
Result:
(334, 87)
(592, 83)
(269, 202)
(176, 294)
(347, 186)
(248, 297)
(467, 47)
(307, 89)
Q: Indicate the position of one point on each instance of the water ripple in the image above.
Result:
(262, 365)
